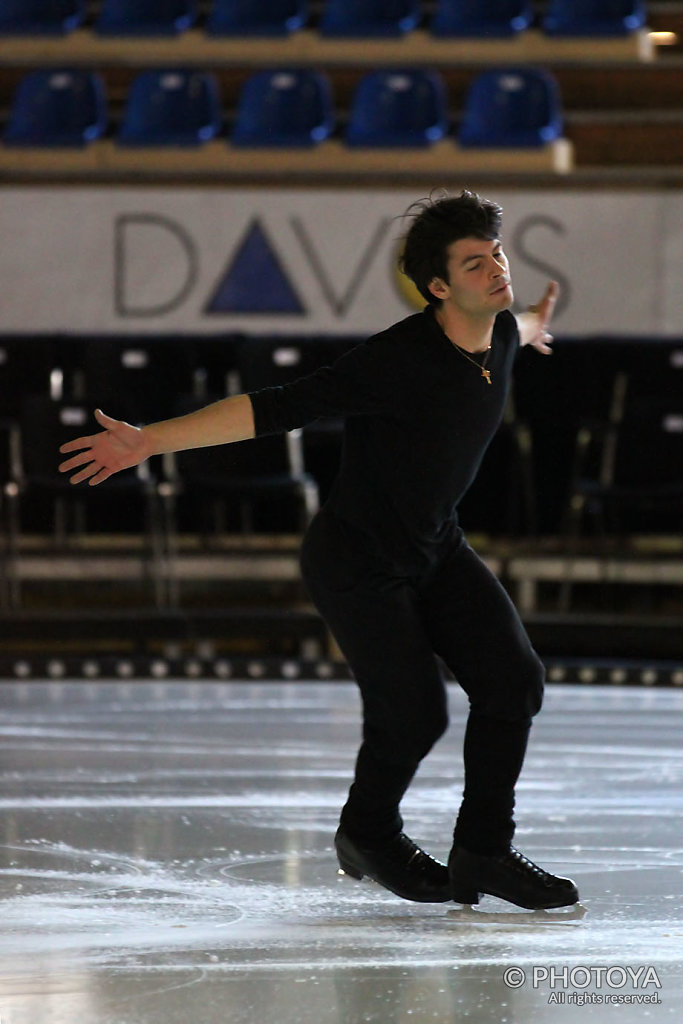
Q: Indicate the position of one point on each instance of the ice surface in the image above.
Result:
(166, 857)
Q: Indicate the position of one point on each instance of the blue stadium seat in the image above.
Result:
(361, 18)
(57, 108)
(40, 17)
(265, 18)
(146, 17)
(284, 108)
(511, 107)
(482, 18)
(594, 17)
(406, 107)
(171, 108)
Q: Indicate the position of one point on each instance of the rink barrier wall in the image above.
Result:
(278, 670)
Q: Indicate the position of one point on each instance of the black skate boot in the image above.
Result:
(399, 865)
(511, 877)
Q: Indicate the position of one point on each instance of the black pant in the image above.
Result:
(390, 629)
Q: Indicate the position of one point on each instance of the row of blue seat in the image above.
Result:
(354, 18)
(293, 108)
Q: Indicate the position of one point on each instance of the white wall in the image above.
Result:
(151, 261)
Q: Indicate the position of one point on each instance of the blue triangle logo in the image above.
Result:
(255, 281)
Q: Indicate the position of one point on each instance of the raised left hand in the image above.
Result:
(533, 325)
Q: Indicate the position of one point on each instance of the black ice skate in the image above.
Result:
(400, 866)
(511, 877)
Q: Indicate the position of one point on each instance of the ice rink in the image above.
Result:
(166, 858)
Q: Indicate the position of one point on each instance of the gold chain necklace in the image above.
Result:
(486, 374)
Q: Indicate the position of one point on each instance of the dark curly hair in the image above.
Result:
(437, 223)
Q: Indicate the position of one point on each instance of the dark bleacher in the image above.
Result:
(551, 397)
(620, 96)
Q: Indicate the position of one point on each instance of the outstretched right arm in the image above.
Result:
(119, 445)
(362, 382)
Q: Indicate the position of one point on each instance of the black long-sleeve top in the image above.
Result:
(418, 419)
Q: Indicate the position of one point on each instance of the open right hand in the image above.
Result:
(119, 446)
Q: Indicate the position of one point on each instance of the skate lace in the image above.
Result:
(525, 867)
(408, 853)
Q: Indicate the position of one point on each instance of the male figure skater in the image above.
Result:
(386, 562)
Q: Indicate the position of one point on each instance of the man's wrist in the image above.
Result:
(150, 442)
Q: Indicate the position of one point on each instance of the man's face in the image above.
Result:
(478, 278)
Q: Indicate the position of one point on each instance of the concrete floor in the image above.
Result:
(166, 858)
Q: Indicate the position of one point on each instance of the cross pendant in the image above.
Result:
(486, 374)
